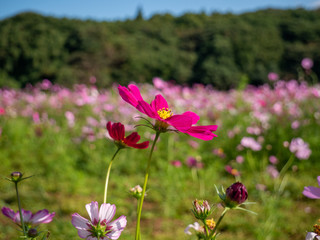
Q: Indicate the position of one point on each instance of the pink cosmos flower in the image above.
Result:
(193, 163)
(249, 142)
(272, 171)
(70, 117)
(273, 76)
(273, 159)
(2, 111)
(46, 84)
(99, 226)
(176, 163)
(36, 117)
(300, 148)
(240, 159)
(307, 63)
(116, 132)
(159, 110)
(312, 192)
(42, 216)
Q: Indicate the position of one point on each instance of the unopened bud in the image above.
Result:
(201, 209)
(236, 193)
(136, 192)
(16, 176)
(32, 233)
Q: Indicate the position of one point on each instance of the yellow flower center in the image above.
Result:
(211, 223)
(165, 113)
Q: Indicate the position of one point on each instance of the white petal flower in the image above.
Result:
(195, 226)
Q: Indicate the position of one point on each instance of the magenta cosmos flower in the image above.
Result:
(42, 216)
(116, 132)
(312, 192)
(99, 226)
(159, 110)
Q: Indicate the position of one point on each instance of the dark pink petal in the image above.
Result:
(180, 122)
(79, 222)
(135, 92)
(8, 212)
(132, 138)
(311, 192)
(117, 227)
(159, 103)
(195, 118)
(142, 145)
(128, 96)
(109, 128)
(118, 131)
(107, 212)
(93, 211)
(318, 178)
(42, 216)
(145, 108)
(202, 132)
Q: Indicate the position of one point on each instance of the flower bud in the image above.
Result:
(16, 176)
(236, 193)
(32, 233)
(201, 209)
(136, 192)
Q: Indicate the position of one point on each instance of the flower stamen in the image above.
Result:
(316, 229)
(164, 113)
(211, 223)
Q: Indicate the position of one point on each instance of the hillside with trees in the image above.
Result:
(217, 49)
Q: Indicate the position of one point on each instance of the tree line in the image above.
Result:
(223, 50)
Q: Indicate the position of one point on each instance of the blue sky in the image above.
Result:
(122, 9)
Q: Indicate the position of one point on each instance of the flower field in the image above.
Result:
(267, 138)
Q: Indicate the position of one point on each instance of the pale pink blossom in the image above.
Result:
(251, 143)
(300, 148)
(99, 226)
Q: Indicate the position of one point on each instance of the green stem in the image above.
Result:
(20, 211)
(218, 223)
(107, 177)
(286, 166)
(280, 181)
(145, 186)
(138, 208)
(206, 227)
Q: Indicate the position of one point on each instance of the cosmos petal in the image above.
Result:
(180, 122)
(79, 222)
(93, 211)
(159, 103)
(311, 192)
(107, 212)
(42, 216)
(195, 118)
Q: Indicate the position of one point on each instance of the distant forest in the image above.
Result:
(218, 49)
